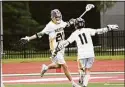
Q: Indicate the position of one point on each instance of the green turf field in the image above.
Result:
(68, 85)
(67, 58)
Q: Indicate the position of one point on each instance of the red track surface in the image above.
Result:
(35, 67)
(106, 65)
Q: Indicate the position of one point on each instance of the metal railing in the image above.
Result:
(111, 43)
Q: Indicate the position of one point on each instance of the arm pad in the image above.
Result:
(39, 35)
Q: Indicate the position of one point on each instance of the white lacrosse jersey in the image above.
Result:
(84, 42)
(55, 32)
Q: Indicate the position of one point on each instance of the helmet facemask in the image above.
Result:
(56, 16)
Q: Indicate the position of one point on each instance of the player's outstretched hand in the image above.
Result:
(24, 40)
(54, 54)
(58, 48)
(20, 44)
(112, 27)
(71, 21)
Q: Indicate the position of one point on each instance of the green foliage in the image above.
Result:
(17, 18)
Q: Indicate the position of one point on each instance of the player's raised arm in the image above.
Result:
(108, 28)
(102, 30)
(26, 39)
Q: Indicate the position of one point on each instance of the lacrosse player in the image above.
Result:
(55, 30)
(82, 37)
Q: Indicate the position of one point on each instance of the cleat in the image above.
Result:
(80, 81)
(43, 70)
(75, 85)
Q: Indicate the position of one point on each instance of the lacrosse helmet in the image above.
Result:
(56, 16)
(79, 23)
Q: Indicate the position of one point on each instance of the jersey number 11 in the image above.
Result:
(81, 38)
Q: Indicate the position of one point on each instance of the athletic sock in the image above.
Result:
(46, 68)
(73, 82)
(86, 79)
(81, 75)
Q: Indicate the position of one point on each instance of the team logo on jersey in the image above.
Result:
(59, 29)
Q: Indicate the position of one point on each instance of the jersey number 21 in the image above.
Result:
(59, 36)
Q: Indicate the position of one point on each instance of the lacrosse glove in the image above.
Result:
(71, 22)
(112, 27)
(24, 40)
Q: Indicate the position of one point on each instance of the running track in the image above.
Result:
(35, 67)
(105, 78)
(25, 68)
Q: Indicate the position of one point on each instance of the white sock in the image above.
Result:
(72, 82)
(81, 74)
(86, 79)
(46, 68)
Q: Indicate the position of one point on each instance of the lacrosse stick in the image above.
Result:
(88, 8)
(20, 44)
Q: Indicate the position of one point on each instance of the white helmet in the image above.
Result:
(56, 16)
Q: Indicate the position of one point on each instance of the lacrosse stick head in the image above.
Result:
(89, 7)
(19, 45)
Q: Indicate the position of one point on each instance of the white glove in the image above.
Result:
(53, 54)
(26, 38)
(112, 27)
(72, 21)
(58, 48)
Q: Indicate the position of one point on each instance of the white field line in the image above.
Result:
(49, 79)
(113, 84)
(46, 74)
(120, 79)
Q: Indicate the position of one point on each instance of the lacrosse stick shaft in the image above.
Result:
(82, 14)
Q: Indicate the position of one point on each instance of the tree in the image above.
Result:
(104, 5)
(17, 19)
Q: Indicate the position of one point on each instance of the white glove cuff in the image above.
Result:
(27, 38)
(109, 29)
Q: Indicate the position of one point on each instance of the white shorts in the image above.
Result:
(59, 58)
(86, 62)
